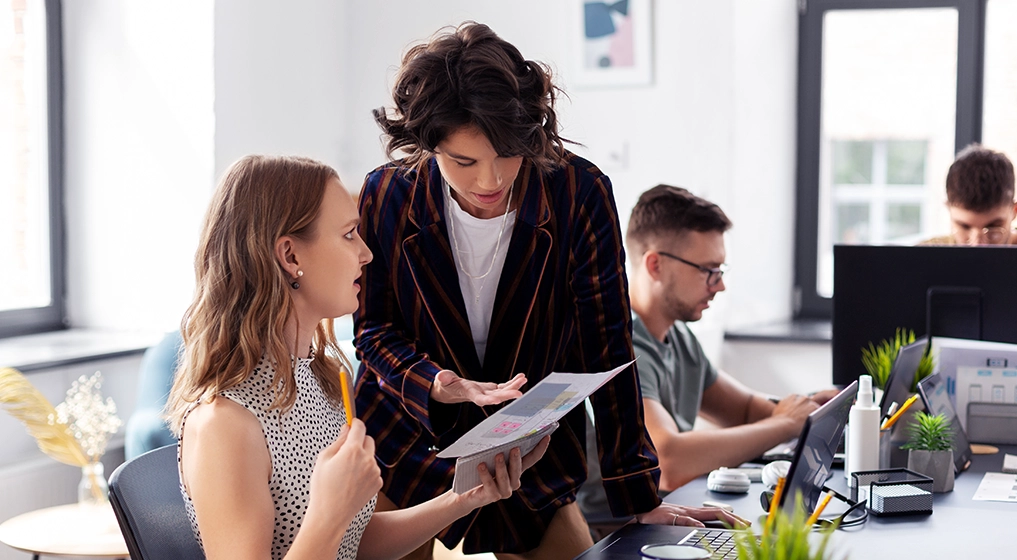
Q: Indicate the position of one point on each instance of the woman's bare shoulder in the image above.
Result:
(223, 424)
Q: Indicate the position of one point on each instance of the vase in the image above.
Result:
(93, 488)
(937, 465)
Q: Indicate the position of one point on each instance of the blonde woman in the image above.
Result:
(269, 464)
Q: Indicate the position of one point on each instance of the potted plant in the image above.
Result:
(786, 537)
(930, 449)
(878, 359)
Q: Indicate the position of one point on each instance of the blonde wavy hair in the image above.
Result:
(243, 297)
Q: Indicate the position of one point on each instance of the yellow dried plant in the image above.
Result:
(28, 405)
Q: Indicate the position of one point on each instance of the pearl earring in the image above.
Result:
(295, 284)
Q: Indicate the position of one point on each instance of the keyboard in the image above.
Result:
(720, 543)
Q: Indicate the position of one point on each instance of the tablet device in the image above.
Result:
(902, 375)
(813, 459)
(934, 395)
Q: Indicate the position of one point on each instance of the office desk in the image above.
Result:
(959, 527)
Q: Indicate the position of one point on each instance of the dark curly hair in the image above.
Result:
(980, 179)
(470, 76)
(667, 210)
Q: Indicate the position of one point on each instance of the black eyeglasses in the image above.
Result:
(713, 275)
(994, 235)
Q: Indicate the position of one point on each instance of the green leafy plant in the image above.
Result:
(930, 433)
(878, 359)
(925, 367)
(786, 538)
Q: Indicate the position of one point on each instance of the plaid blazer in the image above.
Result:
(561, 305)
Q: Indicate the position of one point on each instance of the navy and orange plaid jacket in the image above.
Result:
(561, 305)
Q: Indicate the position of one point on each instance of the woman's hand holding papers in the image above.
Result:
(671, 514)
(505, 479)
(450, 388)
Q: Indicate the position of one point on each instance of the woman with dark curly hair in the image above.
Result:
(497, 251)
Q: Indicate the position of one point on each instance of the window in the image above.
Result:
(31, 286)
(889, 91)
(879, 196)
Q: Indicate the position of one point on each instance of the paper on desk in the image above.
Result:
(997, 487)
(540, 407)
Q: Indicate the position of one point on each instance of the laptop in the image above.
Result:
(810, 469)
(937, 401)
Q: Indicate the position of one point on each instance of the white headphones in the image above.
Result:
(774, 471)
(722, 480)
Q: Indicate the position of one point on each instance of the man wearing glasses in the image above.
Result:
(980, 199)
(675, 246)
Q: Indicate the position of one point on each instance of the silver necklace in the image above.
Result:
(455, 240)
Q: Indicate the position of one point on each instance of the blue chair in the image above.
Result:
(145, 495)
(146, 430)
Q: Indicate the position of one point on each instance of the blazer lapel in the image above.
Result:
(429, 257)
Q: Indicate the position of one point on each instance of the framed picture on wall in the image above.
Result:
(613, 43)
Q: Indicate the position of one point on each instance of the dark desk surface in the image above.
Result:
(959, 527)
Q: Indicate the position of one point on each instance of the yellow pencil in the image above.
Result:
(900, 411)
(344, 385)
(819, 509)
(775, 502)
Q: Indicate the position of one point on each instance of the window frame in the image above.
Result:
(808, 303)
(53, 317)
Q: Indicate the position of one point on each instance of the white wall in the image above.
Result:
(161, 99)
(139, 125)
(280, 79)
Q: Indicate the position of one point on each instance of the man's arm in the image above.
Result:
(728, 403)
(685, 456)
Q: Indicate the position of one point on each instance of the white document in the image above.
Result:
(997, 487)
(466, 466)
(985, 385)
(998, 359)
(529, 418)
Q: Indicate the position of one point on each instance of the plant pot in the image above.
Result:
(937, 465)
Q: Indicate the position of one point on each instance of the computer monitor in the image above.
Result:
(960, 292)
(937, 401)
(813, 460)
(902, 374)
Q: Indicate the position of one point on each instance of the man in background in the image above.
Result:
(980, 199)
(675, 243)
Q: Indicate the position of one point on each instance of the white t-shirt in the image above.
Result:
(476, 239)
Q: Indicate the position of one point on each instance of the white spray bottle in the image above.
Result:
(863, 436)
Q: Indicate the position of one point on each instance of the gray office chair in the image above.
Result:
(145, 495)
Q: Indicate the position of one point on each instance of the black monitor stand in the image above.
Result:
(954, 311)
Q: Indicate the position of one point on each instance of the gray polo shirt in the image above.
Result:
(675, 373)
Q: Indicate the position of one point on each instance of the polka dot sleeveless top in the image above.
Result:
(294, 441)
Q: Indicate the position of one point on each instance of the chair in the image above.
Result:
(146, 430)
(145, 495)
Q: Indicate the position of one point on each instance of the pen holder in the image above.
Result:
(885, 448)
(893, 491)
